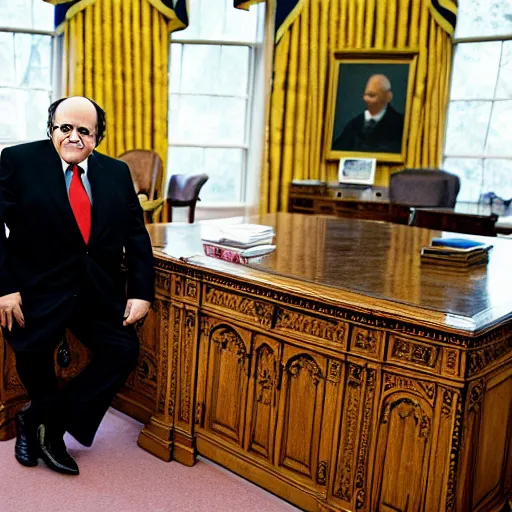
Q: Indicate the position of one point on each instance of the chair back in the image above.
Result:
(455, 222)
(183, 190)
(424, 187)
(146, 169)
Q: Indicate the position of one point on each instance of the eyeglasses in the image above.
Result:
(68, 128)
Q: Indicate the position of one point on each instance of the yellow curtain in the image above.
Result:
(297, 110)
(117, 53)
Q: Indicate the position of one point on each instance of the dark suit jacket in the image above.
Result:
(386, 136)
(45, 257)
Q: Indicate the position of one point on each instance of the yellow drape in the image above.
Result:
(117, 54)
(298, 101)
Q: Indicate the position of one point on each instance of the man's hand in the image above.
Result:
(10, 307)
(135, 310)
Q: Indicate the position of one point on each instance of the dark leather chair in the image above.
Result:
(424, 187)
(146, 170)
(183, 190)
(443, 220)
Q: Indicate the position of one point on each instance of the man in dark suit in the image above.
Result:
(379, 128)
(74, 220)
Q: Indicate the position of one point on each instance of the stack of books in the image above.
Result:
(238, 243)
(456, 253)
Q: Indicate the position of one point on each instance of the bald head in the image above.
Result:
(74, 126)
(377, 93)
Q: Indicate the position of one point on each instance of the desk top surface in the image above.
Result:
(379, 262)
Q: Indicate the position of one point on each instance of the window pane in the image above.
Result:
(207, 119)
(469, 170)
(6, 58)
(504, 89)
(33, 60)
(175, 54)
(185, 160)
(467, 127)
(498, 177)
(233, 74)
(499, 139)
(44, 15)
(484, 18)
(224, 166)
(23, 114)
(217, 20)
(475, 70)
(199, 68)
(34, 14)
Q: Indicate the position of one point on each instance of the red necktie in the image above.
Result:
(80, 203)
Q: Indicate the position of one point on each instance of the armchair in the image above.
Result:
(183, 190)
(146, 169)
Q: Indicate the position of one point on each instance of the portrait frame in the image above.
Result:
(345, 97)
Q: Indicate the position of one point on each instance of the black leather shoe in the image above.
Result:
(25, 449)
(54, 453)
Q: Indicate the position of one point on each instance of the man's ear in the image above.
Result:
(390, 96)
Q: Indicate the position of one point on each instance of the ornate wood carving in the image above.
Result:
(334, 370)
(199, 413)
(163, 282)
(364, 439)
(423, 388)
(176, 335)
(258, 310)
(364, 340)
(415, 353)
(416, 410)
(447, 405)
(479, 359)
(306, 324)
(228, 339)
(305, 362)
(450, 361)
(321, 472)
(266, 375)
(213, 280)
(163, 311)
(343, 484)
(454, 453)
(178, 285)
(476, 394)
(206, 326)
(189, 331)
(191, 289)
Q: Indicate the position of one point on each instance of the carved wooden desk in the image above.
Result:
(338, 373)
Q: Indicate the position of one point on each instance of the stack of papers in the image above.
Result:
(237, 242)
(456, 253)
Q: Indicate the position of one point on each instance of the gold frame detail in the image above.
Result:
(339, 57)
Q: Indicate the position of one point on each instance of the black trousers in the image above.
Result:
(79, 407)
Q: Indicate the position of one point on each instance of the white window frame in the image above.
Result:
(54, 57)
(250, 161)
(493, 101)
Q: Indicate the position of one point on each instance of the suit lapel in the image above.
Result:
(53, 178)
(101, 201)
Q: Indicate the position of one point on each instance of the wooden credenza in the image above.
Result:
(338, 372)
(372, 203)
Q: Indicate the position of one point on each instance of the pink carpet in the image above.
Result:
(117, 476)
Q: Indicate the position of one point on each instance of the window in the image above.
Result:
(26, 38)
(213, 64)
(478, 139)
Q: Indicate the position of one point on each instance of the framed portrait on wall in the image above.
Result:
(369, 104)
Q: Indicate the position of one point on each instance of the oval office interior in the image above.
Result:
(344, 371)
